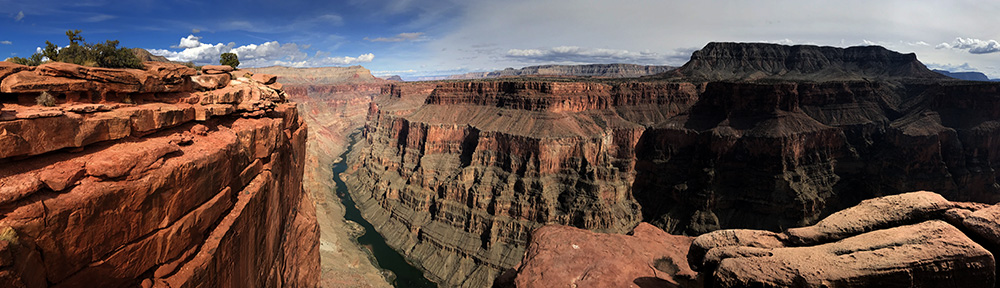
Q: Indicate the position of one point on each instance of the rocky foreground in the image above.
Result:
(756, 136)
(916, 239)
(155, 178)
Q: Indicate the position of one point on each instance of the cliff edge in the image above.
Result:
(154, 178)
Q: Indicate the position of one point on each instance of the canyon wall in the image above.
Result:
(152, 178)
(460, 181)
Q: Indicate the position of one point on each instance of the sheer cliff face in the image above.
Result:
(177, 189)
(460, 181)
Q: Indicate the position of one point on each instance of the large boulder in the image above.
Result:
(211, 81)
(928, 254)
(216, 69)
(733, 237)
(7, 68)
(873, 214)
(266, 79)
(986, 224)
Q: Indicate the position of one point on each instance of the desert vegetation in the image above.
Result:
(106, 54)
(229, 59)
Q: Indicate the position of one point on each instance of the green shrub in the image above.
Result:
(80, 52)
(229, 59)
(45, 99)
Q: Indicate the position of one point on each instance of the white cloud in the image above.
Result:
(254, 55)
(393, 72)
(965, 67)
(327, 61)
(333, 19)
(574, 54)
(99, 18)
(195, 31)
(5, 42)
(190, 41)
(974, 46)
(19, 16)
(416, 36)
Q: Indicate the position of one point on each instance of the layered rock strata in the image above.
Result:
(460, 181)
(134, 179)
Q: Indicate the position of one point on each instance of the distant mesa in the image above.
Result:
(319, 75)
(970, 76)
(588, 70)
(762, 61)
(395, 78)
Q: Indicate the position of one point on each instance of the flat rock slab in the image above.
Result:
(562, 256)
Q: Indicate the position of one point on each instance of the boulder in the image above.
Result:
(216, 69)
(266, 79)
(872, 214)
(733, 237)
(170, 73)
(927, 254)
(7, 68)
(985, 223)
(211, 81)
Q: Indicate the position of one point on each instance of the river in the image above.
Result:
(406, 275)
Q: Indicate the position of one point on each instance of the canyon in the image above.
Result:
(458, 174)
(751, 165)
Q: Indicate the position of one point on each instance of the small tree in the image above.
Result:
(229, 59)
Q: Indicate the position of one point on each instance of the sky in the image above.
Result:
(415, 38)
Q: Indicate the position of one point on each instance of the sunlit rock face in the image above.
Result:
(147, 178)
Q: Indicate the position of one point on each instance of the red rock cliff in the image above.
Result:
(133, 178)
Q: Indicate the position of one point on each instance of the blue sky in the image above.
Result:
(438, 37)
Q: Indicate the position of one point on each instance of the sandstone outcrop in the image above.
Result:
(897, 240)
(171, 188)
(459, 176)
(891, 241)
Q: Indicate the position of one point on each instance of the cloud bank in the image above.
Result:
(254, 55)
(974, 46)
(399, 37)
